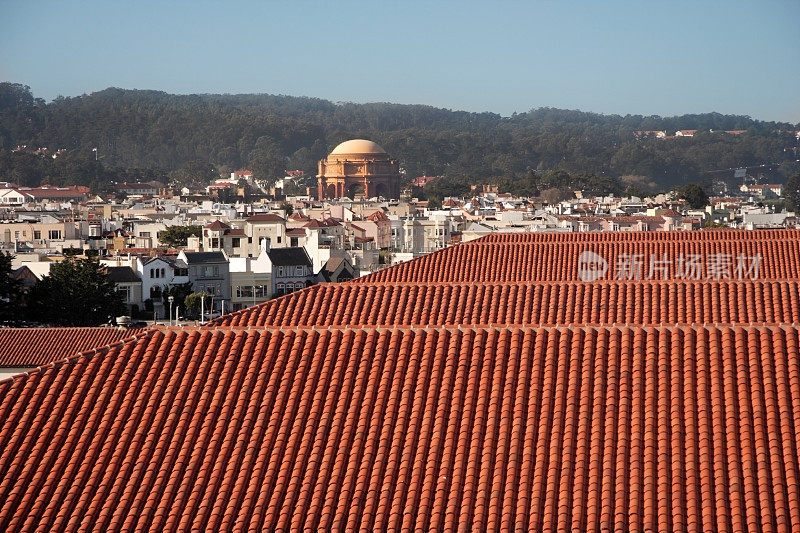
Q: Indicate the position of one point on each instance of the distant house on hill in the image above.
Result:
(14, 198)
(422, 181)
(137, 189)
(236, 175)
(57, 194)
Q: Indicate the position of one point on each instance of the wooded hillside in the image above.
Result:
(160, 132)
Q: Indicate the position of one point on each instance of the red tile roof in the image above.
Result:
(509, 262)
(639, 429)
(378, 216)
(38, 346)
(544, 303)
(639, 236)
(417, 405)
(47, 191)
(265, 217)
(325, 223)
(217, 225)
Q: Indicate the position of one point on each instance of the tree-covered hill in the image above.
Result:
(137, 129)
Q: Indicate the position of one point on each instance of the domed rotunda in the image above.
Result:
(358, 169)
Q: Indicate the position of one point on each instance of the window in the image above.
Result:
(208, 272)
(54, 234)
(279, 239)
(280, 272)
(126, 293)
(16, 235)
(299, 271)
(37, 234)
(214, 242)
(152, 274)
(145, 234)
(244, 291)
(280, 289)
(235, 242)
(163, 273)
(293, 241)
(249, 240)
(216, 271)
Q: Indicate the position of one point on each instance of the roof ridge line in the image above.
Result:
(72, 359)
(474, 327)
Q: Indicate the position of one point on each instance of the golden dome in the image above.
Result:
(358, 146)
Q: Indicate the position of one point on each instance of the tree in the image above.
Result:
(176, 236)
(194, 173)
(553, 195)
(192, 303)
(179, 292)
(791, 192)
(10, 291)
(77, 292)
(157, 134)
(694, 194)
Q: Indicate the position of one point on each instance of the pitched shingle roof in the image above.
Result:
(122, 274)
(195, 258)
(291, 256)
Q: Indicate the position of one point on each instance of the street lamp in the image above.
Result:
(171, 299)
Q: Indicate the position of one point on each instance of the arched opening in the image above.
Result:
(355, 190)
(330, 191)
(380, 189)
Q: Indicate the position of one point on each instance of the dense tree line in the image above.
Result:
(76, 292)
(138, 132)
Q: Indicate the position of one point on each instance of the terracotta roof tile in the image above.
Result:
(557, 259)
(39, 346)
(467, 388)
(408, 428)
(265, 217)
(217, 225)
(544, 303)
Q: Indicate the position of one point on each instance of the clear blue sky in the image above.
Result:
(607, 56)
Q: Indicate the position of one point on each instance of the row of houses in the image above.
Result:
(230, 283)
